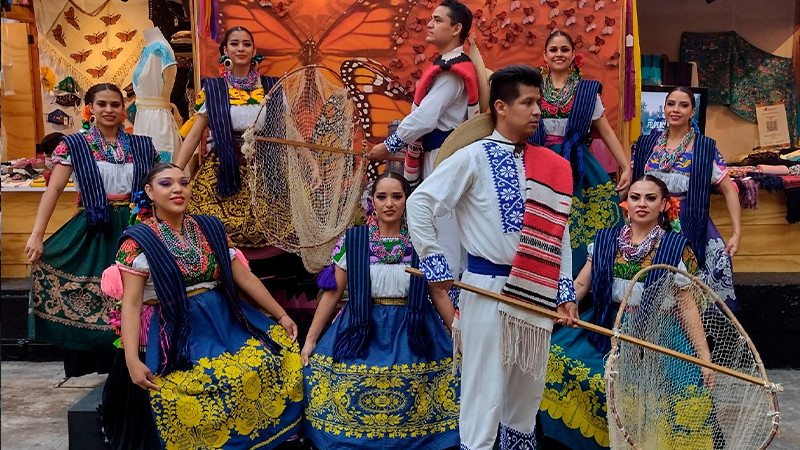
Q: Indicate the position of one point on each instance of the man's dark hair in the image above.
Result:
(504, 84)
(459, 13)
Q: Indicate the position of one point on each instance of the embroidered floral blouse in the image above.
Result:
(624, 271)
(554, 119)
(131, 258)
(386, 280)
(244, 106)
(677, 179)
(117, 178)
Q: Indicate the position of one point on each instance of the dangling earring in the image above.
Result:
(256, 60)
(225, 61)
(92, 119)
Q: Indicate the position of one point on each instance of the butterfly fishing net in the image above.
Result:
(306, 162)
(656, 401)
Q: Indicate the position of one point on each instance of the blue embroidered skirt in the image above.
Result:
(573, 410)
(595, 205)
(390, 399)
(237, 395)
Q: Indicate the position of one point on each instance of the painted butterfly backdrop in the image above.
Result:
(383, 43)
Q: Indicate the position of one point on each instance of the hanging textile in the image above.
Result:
(92, 47)
(741, 75)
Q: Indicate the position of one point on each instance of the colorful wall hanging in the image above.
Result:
(392, 33)
(741, 75)
(93, 47)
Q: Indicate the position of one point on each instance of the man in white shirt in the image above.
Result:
(446, 96)
(489, 186)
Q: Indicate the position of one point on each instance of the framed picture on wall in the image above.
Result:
(653, 99)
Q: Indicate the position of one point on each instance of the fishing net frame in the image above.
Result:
(279, 145)
(627, 400)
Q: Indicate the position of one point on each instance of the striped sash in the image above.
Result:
(536, 266)
(90, 183)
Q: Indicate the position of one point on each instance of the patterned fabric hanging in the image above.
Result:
(741, 75)
(92, 47)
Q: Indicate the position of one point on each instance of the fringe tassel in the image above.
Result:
(456, 335)
(418, 335)
(144, 324)
(525, 345)
(326, 279)
(350, 343)
(249, 141)
(111, 282)
(749, 195)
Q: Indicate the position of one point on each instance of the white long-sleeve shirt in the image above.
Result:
(444, 107)
(483, 186)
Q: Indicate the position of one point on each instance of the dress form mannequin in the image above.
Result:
(153, 80)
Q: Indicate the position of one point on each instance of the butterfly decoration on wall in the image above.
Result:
(324, 33)
(97, 72)
(95, 38)
(69, 16)
(112, 53)
(126, 36)
(110, 19)
(378, 99)
(58, 35)
(80, 56)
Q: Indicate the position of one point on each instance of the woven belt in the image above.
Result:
(152, 103)
(390, 301)
(154, 301)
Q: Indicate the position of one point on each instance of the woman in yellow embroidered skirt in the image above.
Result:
(574, 405)
(381, 376)
(220, 374)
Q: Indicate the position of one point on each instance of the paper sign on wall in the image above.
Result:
(773, 128)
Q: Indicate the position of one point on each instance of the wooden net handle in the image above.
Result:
(604, 331)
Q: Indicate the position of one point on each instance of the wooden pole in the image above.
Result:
(604, 331)
(320, 147)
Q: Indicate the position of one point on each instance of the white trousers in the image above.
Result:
(492, 394)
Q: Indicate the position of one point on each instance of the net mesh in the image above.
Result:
(657, 401)
(304, 191)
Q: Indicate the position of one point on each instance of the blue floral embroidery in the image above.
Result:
(454, 293)
(394, 144)
(463, 447)
(511, 439)
(506, 185)
(566, 291)
(435, 268)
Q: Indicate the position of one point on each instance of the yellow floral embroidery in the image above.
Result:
(683, 423)
(598, 207)
(375, 402)
(241, 97)
(578, 401)
(232, 394)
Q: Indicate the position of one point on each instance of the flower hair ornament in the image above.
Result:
(672, 209)
(87, 118)
(141, 206)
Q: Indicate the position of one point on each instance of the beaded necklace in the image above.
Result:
(188, 252)
(378, 248)
(560, 97)
(114, 153)
(666, 157)
(637, 252)
(247, 83)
